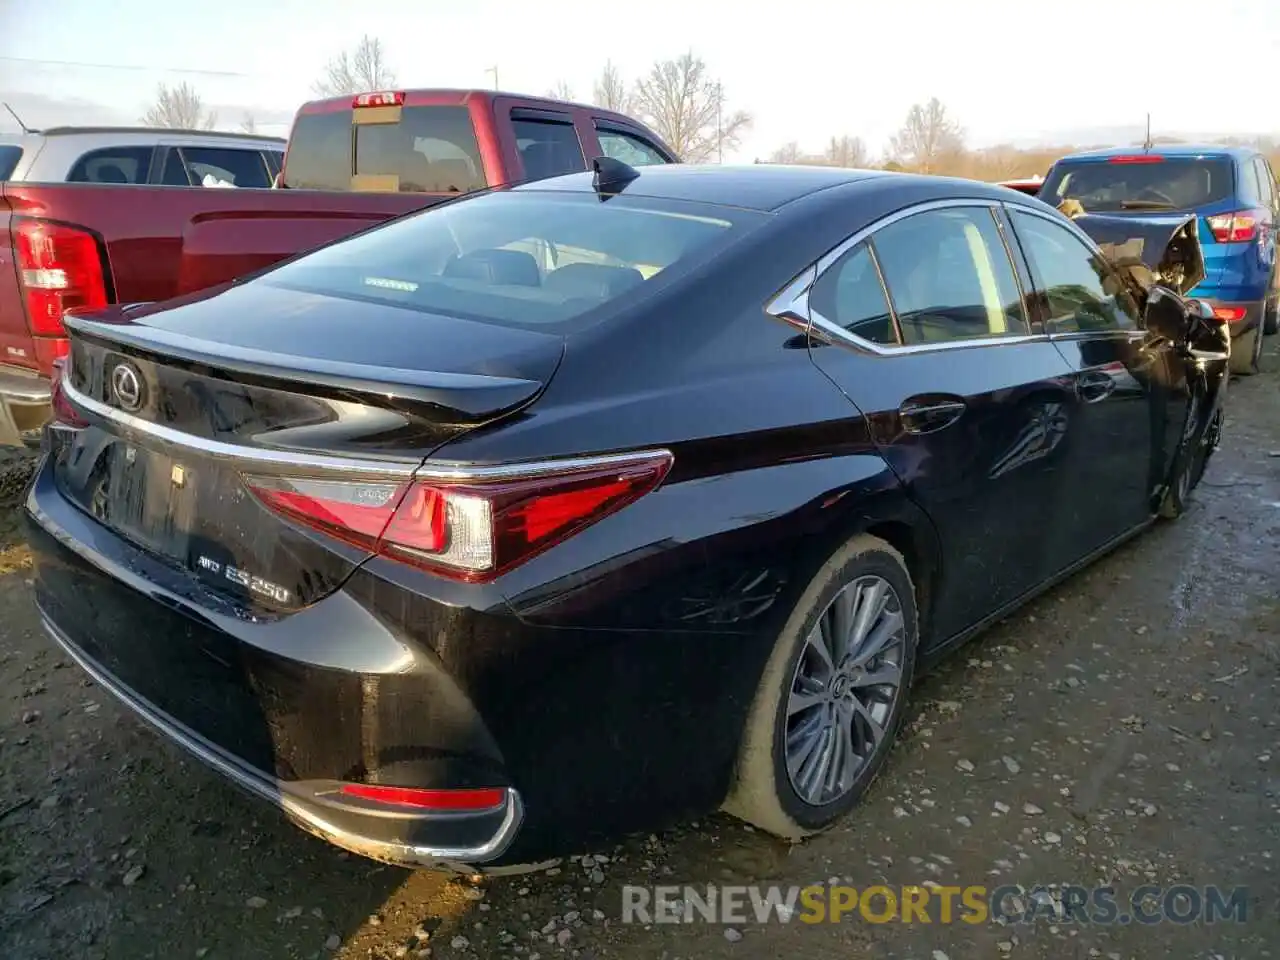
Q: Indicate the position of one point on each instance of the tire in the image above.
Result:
(1271, 315)
(1246, 349)
(1192, 461)
(764, 793)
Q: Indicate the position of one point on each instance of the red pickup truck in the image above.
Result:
(350, 163)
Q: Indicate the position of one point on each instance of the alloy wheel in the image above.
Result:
(846, 685)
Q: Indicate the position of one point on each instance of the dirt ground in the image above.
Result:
(1124, 728)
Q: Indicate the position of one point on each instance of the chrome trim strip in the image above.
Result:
(276, 794)
(231, 451)
(793, 299)
(455, 470)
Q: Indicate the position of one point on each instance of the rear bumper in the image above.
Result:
(308, 804)
(266, 705)
(24, 407)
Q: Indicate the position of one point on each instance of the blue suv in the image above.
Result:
(1233, 192)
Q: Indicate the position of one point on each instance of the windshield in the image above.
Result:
(1151, 183)
(9, 157)
(525, 258)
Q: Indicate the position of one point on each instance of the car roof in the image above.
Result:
(1165, 150)
(762, 187)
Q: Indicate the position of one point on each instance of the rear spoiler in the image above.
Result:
(1163, 249)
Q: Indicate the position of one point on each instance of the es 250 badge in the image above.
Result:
(253, 584)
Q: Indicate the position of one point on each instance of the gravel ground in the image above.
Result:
(1121, 729)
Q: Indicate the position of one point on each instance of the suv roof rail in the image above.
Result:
(223, 134)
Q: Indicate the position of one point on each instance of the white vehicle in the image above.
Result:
(141, 155)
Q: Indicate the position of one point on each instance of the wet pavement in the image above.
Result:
(1123, 729)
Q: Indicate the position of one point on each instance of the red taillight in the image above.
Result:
(385, 98)
(470, 529)
(60, 267)
(1240, 226)
(484, 798)
(1137, 158)
(63, 412)
(1230, 314)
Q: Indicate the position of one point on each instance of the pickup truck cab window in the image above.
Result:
(629, 148)
(113, 165)
(548, 145)
(423, 149)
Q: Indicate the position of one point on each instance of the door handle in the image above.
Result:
(930, 415)
(1092, 387)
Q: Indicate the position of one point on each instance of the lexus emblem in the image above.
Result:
(126, 386)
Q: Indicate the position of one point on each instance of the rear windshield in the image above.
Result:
(9, 157)
(410, 150)
(1164, 183)
(523, 258)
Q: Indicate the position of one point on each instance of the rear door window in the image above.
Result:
(1141, 182)
(629, 148)
(548, 145)
(226, 167)
(949, 276)
(9, 157)
(113, 165)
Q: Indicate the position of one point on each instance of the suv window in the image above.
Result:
(9, 157)
(629, 148)
(1268, 187)
(1082, 292)
(227, 167)
(548, 148)
(851, 295)
(949, 276)
(1155, 183)
(1250, 185)
(113, 165)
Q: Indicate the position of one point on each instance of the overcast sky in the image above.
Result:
(1009, 72)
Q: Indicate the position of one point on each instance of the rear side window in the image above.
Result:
(548, 148)
(949, 276)
(1250, 185)
(1141, 183)
(226, 167)
(521, 258)
(9, 157)
(113, 165)
(629, 148)
(1265, 181)
(851, 296)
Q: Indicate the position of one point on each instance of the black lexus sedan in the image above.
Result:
(571, 509)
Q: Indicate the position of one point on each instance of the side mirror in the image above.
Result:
(1168, 315)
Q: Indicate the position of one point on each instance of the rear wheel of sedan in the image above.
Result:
(832, 696)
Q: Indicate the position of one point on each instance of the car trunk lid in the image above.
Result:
(195, 413)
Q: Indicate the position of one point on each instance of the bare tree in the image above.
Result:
(787, 153)
(611, 91)
(927, 137)
(360, 71)
(846, 152)
(685, 105)
(249, 124)
(179, 108)
(561, 91)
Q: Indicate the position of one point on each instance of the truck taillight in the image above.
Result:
(467, 529)
(386, 98)
(1240, 226)
(60, 267)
